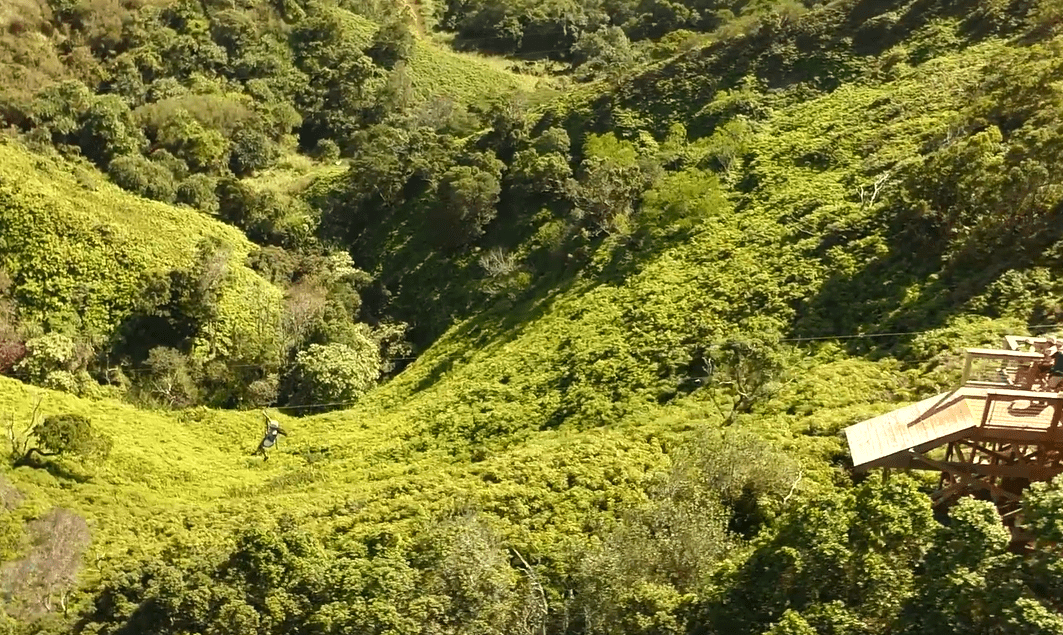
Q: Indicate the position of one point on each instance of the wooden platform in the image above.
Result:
(974, 413)
(885, 440)
(991, 437)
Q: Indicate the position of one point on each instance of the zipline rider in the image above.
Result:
(270, 439)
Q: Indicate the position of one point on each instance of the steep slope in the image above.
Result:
(78, 250)
(639, 434)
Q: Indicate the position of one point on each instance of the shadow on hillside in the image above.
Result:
(497, 326)
(822, 50)
(56, 468)
(421, 285)
(879, 298)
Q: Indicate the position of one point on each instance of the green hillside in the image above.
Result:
(581, 369)
(77, 249)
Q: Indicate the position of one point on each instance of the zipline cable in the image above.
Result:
(814, 338)
(792, 339)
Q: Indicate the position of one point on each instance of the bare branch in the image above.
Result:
(793, 488)
(537, 587)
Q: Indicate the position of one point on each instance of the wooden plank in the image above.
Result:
(996, 353)
(930, 422)
(1033, 395)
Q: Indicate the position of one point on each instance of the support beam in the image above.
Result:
(947, 492)
(1028, 472)
(966, 479)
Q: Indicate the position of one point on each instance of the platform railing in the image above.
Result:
(994, 368)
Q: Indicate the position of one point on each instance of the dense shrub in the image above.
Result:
(203, 149)
(251, 151)
(335, 373)
(467, 199)
(46, 355)
(144, 177)
(110, 131)
(198, 191)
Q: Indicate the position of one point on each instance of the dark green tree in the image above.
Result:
(393, 42)
(252, 150)
(466, 204)
(147, 178)
(65, 435)
(109, 130)
(198, 191)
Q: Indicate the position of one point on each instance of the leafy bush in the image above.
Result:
(326, 150)
(393, 42)
(251, 151)
(268, 217)
(198, 191)
(203, 149)
(74, 435)
(69, 435)
(605, 53)
(144, 177)
(110, 131)
(335, 373)
(48, 354)
(59, 110)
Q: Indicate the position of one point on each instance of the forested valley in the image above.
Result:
(562, 306)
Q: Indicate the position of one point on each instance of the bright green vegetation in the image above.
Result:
(64, 225)
(223, 110)
(618, 419)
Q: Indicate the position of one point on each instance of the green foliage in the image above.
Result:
(326, 150)
(328, 48)
(203, 149)
(392, 43)
(603, 54)
(744, 373)
(47, 357)
(467, 199)
(263, 566)
(252, 151)
(109, 131)
(647, 255)
(141, 176)
(72, 434)
(970, 557)
(335, 373)
(267, 217)
(198, 191)
(168, 379)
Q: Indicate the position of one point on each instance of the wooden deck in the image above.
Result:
(1001, 430)
(928, 421)
(969, 412)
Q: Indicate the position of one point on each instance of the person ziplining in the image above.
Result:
(270, 439)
